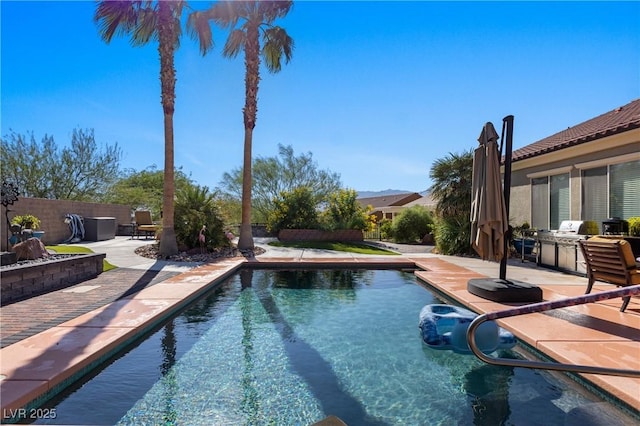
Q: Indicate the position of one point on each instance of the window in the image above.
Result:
(624, 189)
(611, 191)
(540, 203)
(550, 201)
(595, 197)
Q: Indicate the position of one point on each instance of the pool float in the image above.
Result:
(444, 327)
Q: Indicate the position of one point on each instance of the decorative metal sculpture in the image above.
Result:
(10, 195)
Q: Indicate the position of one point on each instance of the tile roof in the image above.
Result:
(389, 200)
(619, 120)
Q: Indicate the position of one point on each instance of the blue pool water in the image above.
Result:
(292, 347)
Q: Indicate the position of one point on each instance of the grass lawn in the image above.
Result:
(62, 249)
(337, 246)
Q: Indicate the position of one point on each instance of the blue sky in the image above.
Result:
(376, 91)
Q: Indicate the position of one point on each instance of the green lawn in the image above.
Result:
(62, 249)
(337, 246)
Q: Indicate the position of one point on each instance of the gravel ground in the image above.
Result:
(49, 258)
(150, 251)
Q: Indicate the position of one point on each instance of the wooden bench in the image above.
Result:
(610, 261)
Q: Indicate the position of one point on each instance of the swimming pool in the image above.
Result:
(292, 347)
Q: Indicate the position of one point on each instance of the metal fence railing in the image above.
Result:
(546, 306)
(372, 235)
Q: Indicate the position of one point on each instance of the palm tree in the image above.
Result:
(256, 18)
(144, 20)
(452, 184)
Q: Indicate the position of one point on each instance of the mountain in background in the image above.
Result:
(368, 194)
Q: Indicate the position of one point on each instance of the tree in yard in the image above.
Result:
(273, 175)
(343, 211)
(452, 190)
(294, 209)
(80, 172)
(143, 21)
(255, 18)
(452, 184)
(143, 189)
(412, 224)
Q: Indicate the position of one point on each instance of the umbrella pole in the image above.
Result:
(508, 122)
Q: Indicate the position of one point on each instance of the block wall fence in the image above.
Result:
(317, 235)
(52, 214)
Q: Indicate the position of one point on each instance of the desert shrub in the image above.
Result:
(634, 226)
(294, 209)
(412, 224)
(386, 229)
(345, 212)
(196, 207)
(453, 235)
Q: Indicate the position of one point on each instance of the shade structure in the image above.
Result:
(489, 221)
(489, 218)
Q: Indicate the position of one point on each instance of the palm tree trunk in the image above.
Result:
(245, 241)
(166, 48)
(252, 77)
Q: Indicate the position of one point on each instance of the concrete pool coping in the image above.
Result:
(43, 364)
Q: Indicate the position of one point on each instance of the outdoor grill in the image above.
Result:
(559, 248)
(615, 226)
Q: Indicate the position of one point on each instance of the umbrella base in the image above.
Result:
(499, 290)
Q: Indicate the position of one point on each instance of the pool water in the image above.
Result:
(272, 347)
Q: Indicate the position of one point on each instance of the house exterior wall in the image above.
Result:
(623, 144)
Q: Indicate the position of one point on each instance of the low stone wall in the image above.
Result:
(22, 282)
(317, 235)
(52, 213)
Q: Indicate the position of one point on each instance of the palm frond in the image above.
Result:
(272, 10)
(145, 28)
(115, 18)
(276, 44)
(235, 44)
(226, 13)
(198, 28)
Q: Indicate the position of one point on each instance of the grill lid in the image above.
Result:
(572, 226)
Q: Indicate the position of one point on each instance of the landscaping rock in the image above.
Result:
(30, 249)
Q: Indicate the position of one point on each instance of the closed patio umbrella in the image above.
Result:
(489, 222)
(490, 218)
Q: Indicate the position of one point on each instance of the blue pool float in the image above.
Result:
(444, 327)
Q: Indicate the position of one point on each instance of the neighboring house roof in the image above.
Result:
(389, 200)
(425, 201)
(619, 120)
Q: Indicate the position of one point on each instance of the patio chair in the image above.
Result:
(144, 224)
(610, 261)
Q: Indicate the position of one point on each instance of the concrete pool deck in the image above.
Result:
(51, 340)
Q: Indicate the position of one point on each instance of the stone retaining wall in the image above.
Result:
(22, 282)
(317, 235)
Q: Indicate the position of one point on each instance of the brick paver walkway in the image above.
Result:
(26, 318)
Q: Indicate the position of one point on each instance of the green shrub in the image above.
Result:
(196, 207)
(634, 226)
(294, 209)
(453, 236)
(345, 212)
(386, 229)
(26, 221)
(412, 224)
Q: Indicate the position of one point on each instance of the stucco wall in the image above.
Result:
(52, 213)
(520, 203)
